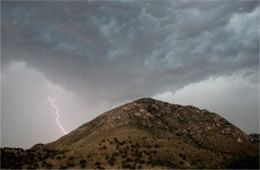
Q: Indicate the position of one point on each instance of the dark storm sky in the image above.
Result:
(93, 55)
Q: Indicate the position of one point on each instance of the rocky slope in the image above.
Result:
(145, 133)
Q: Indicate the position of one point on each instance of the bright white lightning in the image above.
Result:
(58, 114)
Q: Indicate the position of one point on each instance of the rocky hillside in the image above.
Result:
(145, 133)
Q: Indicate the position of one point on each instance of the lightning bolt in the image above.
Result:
(51, 100)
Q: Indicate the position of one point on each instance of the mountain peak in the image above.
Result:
(145, 100)
(163, 119)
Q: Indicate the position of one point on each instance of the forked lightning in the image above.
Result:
(58, 114)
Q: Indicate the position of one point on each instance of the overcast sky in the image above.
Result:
(92, 56)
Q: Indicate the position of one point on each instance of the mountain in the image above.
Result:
(145, 133)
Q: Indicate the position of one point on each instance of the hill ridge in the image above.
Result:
(145, 133)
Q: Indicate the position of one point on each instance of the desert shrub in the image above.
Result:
(43, 162)
(46, 156)
(82, 163)
(140, 161)
(63, 167)
(154, 152)
(49, 165)
(129, 160)
(71, 164)
(147, 153)
(125, 152)
(161, 163)
(184, 157)
(71, 157)
(97, 163)
(35, 165)
(99, 167)
(127, 166)
(200, 165)
(139, 154)
(148, 146)
(82, 166)
(116, 140)
(111, 160)
(156, 146)
(242, 160)
(123, 156)
(106, 157)
(181, 162)
(115, 154)
(58, 157)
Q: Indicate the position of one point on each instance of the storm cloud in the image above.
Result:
(108, 52)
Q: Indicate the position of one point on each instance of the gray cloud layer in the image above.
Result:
(120, 50)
